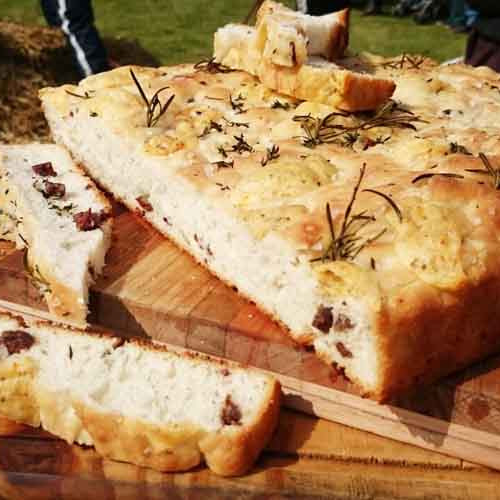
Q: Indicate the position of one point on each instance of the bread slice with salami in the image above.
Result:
(50, 208)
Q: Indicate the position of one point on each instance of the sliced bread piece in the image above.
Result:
(286, 37)
(134, 400)
(317, 80)
(52, 209)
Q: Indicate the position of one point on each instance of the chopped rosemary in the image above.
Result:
(36, 277)
(432, 174)
(222, 151)
(325, 130)
(280, 105)
(273, 153)
(456, 148)
(241, 145)
(223, 164)
(229, 123)
(348, 244)
(211, 126)
(212, 66)
(154, 108)
(489, 170)
(237, 104)
(62, 209)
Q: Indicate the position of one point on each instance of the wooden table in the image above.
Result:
(308, 458)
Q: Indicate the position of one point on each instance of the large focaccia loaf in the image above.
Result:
(134, 400)
(52, 209)
(405, 290)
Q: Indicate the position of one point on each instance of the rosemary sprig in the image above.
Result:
(493, 172)
(325, 130)
(405, 61)
(273, 153)
(349, 243)
(432, 174)
(389, 200)
(212, 66)
(86, 94)
(154, 108)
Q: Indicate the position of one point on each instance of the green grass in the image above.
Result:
(181, 30)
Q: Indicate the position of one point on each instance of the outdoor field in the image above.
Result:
(152, 33)
(181, 30)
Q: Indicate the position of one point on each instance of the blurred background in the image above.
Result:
(181, 30)
(161, 32)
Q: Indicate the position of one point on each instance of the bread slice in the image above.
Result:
(134, 400)
(286, 37)
(318, 80)
(45, 201)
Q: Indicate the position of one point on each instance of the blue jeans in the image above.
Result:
(461, 14)
(76, 19)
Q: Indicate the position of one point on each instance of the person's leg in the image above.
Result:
(76, 19)
(471, 16)
(482, 52)
(321, 7)
(457, 13)
(373, 7)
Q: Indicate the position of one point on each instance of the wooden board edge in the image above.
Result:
(384, 420)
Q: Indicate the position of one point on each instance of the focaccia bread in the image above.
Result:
(52, 209)
(371, 236)
(317, 79)
(134, 400)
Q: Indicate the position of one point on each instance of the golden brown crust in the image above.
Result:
(444, 333)
(339, 36)
(231, 453)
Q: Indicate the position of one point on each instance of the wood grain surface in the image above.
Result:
(308, 458)
(151, 288)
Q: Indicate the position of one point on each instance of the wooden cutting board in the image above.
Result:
(307, 459)
(152, 288)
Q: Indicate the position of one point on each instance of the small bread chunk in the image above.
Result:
(49, 207)
(287, 38)
(134, 400)
(317, 80)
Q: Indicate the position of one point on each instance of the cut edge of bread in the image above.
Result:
(326, 36)
(266, 291)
